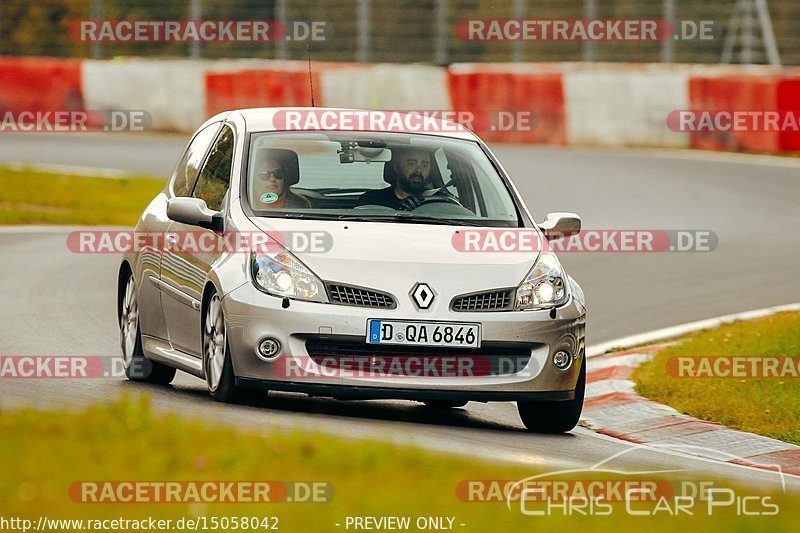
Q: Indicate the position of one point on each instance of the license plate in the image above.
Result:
(424, 333)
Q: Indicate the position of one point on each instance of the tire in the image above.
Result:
(137, 366)
(445, 404)
(217, 366)
(555, 417)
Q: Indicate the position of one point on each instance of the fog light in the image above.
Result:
(268, 348)
(562, 360)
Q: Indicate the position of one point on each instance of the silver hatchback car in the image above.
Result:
(340, 259)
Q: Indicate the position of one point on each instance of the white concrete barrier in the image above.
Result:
(387, 86)
(172, 91)
(624, 107)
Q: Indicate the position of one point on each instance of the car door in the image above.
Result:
(156, 223)
(185, 271)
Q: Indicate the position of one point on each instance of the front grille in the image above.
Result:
(360, 297)
(422, 361)
(498, 300)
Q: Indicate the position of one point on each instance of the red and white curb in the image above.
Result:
(613, 408)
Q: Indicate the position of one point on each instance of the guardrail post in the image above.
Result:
(519, 13)
(281, 16)
(589, 12)
(195, 13)
(363, 14)
(441, 32)
(668, 44)
(97, 14)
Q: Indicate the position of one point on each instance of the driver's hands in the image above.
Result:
(448, 194)
(412, 202)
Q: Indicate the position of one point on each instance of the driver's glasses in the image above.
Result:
(279, 174)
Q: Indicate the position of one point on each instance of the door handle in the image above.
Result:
(170, 239)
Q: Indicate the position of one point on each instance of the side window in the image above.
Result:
(216, 174)
(186, 171)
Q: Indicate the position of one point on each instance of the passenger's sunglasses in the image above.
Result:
(279, 174)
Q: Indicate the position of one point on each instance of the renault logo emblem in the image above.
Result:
(422, 295)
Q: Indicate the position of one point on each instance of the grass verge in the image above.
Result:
(31, 196)
(43, 453)
(767, 406)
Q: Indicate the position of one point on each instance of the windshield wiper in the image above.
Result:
(396, 217)
(412, 219)
(310, 216)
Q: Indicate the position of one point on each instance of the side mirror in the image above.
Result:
(193, 211)
(558, 225)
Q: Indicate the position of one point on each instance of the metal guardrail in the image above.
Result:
(425, 31)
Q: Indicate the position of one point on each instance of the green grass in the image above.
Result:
(30, 196)
(767, 406)
(43, 453)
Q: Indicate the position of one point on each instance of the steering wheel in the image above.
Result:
(440, 199)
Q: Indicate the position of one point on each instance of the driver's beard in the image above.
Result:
(409, 187)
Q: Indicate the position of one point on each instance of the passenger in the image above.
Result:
(272, 186)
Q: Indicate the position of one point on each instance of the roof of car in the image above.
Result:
(347, 119)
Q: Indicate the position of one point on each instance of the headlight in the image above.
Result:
(282, 274)
(545, 285)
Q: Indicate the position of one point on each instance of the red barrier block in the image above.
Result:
(735, 93)
(788, 95)
(489, 92)
(39, 84)
(259, 88)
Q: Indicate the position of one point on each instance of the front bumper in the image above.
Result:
(252, 315)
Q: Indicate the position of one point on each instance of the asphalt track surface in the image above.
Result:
(55, 302)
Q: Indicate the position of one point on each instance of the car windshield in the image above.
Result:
(381, 177)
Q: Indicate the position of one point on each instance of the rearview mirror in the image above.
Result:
(364, 152)
(558, 225)
(193, 211)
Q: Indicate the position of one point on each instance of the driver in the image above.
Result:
(412, 167)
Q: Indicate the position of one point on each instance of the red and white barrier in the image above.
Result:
(513, 88)
(286, 84)
(762, 90)
(571, 103)
(39, 84)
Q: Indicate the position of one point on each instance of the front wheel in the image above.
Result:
(137, 366)
(217, 364)
(555, 417)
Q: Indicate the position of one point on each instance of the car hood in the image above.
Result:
(393, 257)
